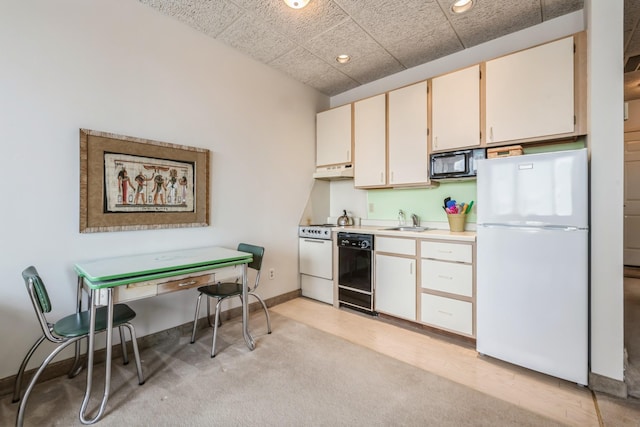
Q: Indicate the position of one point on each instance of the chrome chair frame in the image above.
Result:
(41, 304)
(235, 290)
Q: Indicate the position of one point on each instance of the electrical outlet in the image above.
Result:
(272, 273)
(371, 206)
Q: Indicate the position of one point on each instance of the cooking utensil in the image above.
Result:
(469, 206)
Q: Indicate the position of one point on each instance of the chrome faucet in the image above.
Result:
(401, 218)
(416, 220)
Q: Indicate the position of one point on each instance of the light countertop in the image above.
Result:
(431, 233)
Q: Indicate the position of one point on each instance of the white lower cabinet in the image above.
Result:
(448, 313)
(447, 286)
(447, 277)
(395, 278)
(427, 281)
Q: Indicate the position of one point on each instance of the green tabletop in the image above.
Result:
(117, 271)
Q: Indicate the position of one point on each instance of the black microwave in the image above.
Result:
(455, 164)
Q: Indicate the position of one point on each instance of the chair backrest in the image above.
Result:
(37, 291)
(256, 264)
(40, 299)
(256, 251)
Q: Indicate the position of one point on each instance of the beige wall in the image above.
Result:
(119, 66)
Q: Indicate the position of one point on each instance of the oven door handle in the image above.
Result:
(315, 240)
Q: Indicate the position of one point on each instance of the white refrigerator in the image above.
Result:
(532, 271)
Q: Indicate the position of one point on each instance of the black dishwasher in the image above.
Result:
(355, 271)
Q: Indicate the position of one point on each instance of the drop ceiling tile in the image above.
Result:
(554, 8)
(345, 38)
(371, 66)
(488, 20)
(256, 39)
(382, 36)
(313, 71)
(333, 83)
(422, 48)
(208, 17)
(298, 24)
(390, 21)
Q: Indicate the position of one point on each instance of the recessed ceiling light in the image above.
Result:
(461, 6)
(343, 59)
(296, 4)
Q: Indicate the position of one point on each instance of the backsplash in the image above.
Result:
(425, 202)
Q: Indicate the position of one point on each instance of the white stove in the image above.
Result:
(316, 262)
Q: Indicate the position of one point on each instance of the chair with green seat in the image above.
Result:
(66, 331)
(222, 291)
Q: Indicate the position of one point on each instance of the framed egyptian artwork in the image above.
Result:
(129, 183)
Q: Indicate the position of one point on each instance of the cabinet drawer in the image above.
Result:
(447, 251)
(447, 313)
(129, 292)
(228, 274)
(186, 283)
(396, 246)
(135, 291)
(447, 277)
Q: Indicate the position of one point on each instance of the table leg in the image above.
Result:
(77, 366)
(245, 310)
(91, 347)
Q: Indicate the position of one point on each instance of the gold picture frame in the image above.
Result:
(129, 183)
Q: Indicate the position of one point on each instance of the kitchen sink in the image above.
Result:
(408, 228)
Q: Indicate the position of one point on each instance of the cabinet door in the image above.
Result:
(395, 291)
(530, 94)
(408, 163)
(370, 141)
(455, 113)
(333, 136)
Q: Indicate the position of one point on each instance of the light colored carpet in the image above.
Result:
(297, 376)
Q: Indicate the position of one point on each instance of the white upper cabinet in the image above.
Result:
(455, 113)
(370, 142)
(530, 94)
(408, 157)
(333, 136)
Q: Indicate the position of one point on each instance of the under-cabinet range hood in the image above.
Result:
(334, 172)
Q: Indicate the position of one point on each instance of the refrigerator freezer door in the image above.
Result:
(532, 299)
(536, 189)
